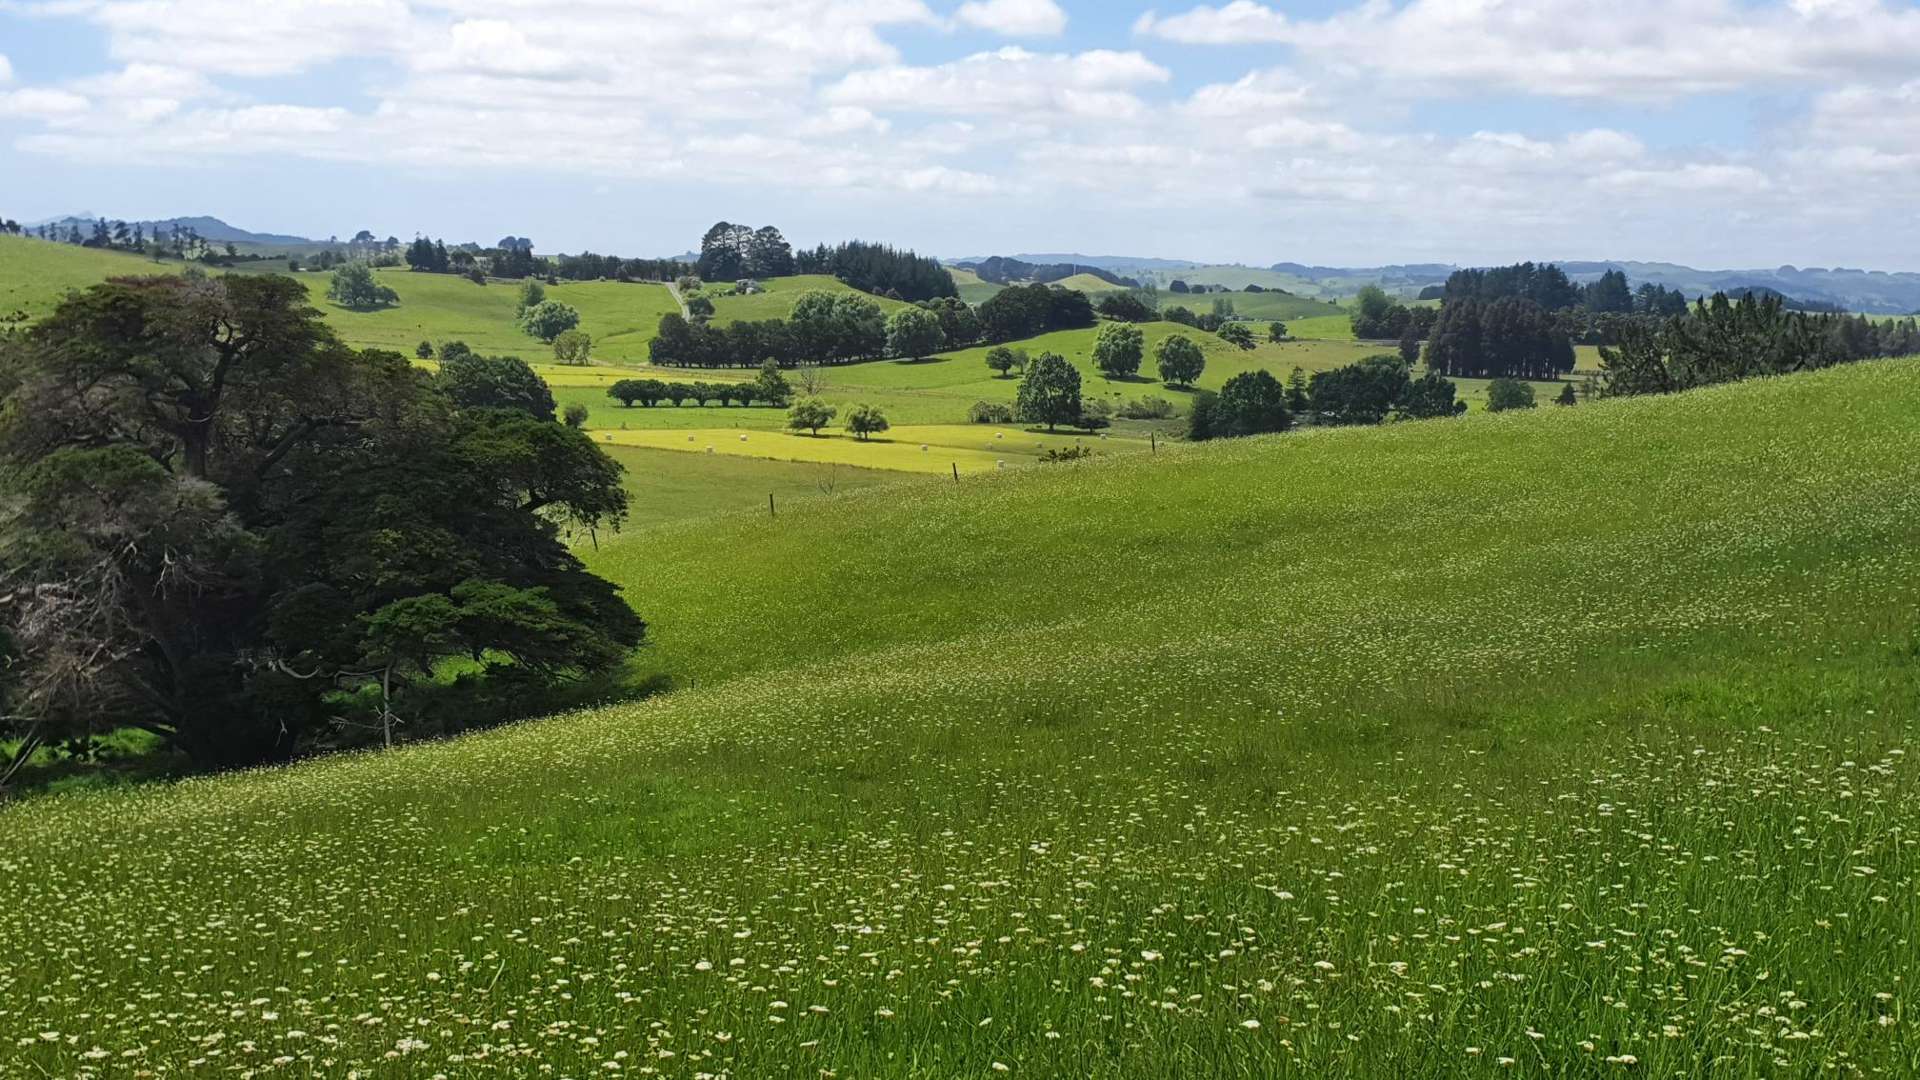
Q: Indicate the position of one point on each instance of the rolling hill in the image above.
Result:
(1570, 743)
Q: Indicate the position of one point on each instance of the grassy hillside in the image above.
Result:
(972, 289)
(681, 487)
(1574, 743)
(35, 274)
(621, 317)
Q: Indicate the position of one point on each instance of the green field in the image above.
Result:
(939, 390)
(35, 274)
(1274, 306)
(1575, 743)
(667, 487)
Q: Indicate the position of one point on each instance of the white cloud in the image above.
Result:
(42, 104)
(1009, 80)
(791, 97)
(498, 47)
(1576, 48)
(251, 37)
(1014, 18)
(6, 69)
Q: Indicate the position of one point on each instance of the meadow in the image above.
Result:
(35, 274)
(973, 289)
(1572, 743)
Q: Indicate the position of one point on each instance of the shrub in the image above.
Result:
(990, 412)
(573, 348)
(865, 420)
(1147, 408)
(549, 319)
(810, 414)
(1237, 334)
(575, 415)
(354, 286)
(1070, 453)
(1505, 394)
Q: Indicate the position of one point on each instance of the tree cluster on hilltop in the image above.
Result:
(880, 269)
(729, 252)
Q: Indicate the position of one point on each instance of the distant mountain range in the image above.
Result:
(209, 228)
(1876, 292)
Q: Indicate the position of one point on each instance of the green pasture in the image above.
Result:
(940, 389)
(35, 274)
(671, 487)
(621, 317)
(1575, 744)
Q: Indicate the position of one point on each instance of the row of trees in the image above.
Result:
(824, 327)
(228, 528)
(770, 388)
(514, 259)
(175, 240)
(1726, 340)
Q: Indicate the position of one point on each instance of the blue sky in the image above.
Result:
(1713, 132)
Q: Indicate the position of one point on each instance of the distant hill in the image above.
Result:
(1000, 270)
(1874, 292)
(209, 228)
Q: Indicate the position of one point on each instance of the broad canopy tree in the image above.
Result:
(1050, 392)
(218, 518)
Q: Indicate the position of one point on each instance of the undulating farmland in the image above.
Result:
(1574, 743)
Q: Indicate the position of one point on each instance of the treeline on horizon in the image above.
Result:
(847, 327)
(1523, 321)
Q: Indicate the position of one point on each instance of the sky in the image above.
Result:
(1718, 133)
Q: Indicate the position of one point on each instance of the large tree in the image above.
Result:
(219, 519)
(1118, 350)
(913, 333)
(1180, 360)
(1050, 392)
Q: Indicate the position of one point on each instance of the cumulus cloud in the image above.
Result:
(1014, 18)
(42, 104)
(6, 69)
(795, 95)
(1014, 80)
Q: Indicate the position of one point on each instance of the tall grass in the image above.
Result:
(1565, 744)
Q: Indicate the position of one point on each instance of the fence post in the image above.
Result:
(770, 510)
(956, 472)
